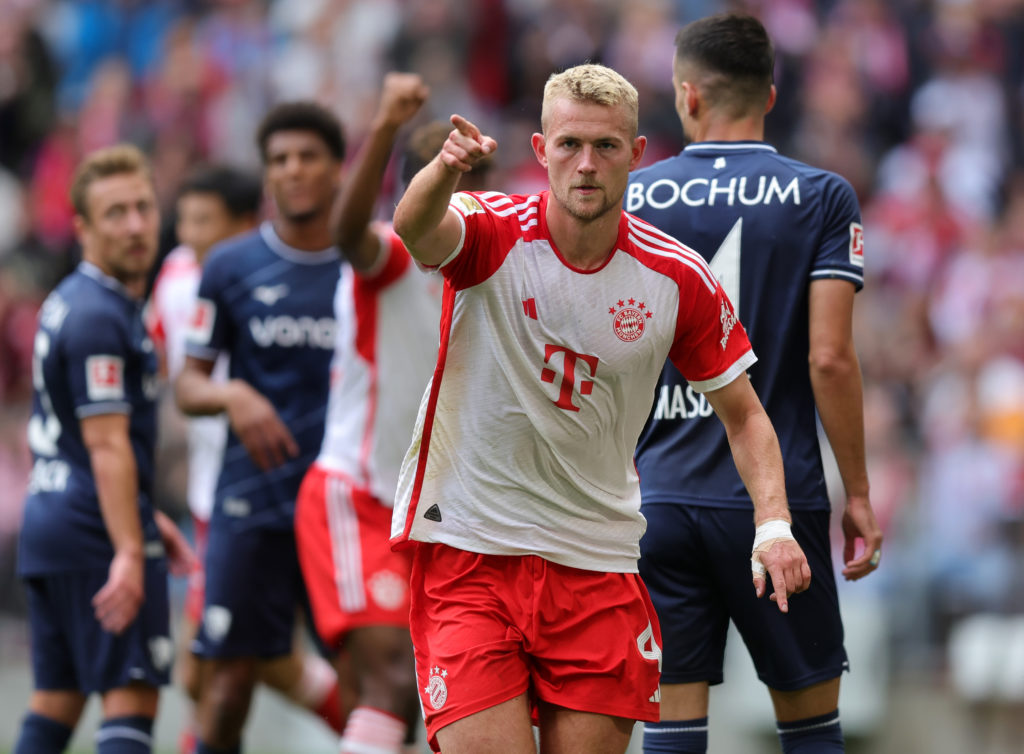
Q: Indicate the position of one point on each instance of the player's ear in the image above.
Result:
(540, 149)
(639, 147)
(691, 98)
(771, 100)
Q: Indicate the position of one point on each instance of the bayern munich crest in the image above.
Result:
(629, 319)
(437, 689)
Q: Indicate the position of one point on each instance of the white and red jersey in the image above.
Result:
(168, 319)
(385, 352)
(545, 376)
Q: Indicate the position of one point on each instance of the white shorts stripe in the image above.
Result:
(343, 525)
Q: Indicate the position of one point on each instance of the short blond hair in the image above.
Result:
(594, 83)
(103, 163)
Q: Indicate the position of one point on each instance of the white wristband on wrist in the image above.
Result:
(768, 533)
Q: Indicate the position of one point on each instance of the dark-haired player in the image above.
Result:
(265, 300)
(785, 241)
(217, 202)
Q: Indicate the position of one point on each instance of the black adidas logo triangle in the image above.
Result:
(433, 513)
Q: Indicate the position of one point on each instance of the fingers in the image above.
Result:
(466, 128)
(465, 145)
(867, 563)
(402, 95)
(115, 606)
(787, 566)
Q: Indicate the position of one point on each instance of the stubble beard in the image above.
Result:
(584, 213)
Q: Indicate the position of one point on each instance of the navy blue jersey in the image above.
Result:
(92, 356)
(768, 225)
(271, 309)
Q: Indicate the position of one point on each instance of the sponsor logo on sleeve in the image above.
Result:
(201, 327)
(104, 378)
(729, 321)
(857, 244)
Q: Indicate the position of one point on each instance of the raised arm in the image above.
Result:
(429, 230)
(838, 394)
(755, 450)
(402, 95)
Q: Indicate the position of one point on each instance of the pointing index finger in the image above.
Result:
(466, 128)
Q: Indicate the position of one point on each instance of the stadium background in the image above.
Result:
(920, 104)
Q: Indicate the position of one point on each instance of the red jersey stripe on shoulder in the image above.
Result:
(658, 237)
(677, 256)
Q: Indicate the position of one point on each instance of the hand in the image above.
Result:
(786, 563)
(402, 95)
(258, 426)
(465, 146)
(118, 601)
(859, 523)
(181, 560)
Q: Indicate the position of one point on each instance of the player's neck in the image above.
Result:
(729, 129)
(305, 236)
(583, 244)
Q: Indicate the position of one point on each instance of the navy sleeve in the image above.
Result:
(840, 252)
(95, 348)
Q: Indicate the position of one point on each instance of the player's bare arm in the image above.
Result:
(181, 559)
(106, 438)
(422, 219)
(402, 96)
(838, 394)
(755, 450)
(252, 417)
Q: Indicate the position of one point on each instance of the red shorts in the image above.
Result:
(197, 579)
(352, 576)
(487, 628)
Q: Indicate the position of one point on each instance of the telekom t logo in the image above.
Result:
(569, 359)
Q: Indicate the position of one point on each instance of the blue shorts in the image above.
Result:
(253, 589)
(70, 649)
(695, 562)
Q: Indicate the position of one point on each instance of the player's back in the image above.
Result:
(91, 357)
(769, 226)
(270, 308)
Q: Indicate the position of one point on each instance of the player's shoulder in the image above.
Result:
(824, 180)
(235, 251)
(495, 203)
(88, 308)
(665, 166)
(665, 254)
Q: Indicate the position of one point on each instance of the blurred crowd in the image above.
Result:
(918, 103)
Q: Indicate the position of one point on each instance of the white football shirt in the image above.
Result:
(545, 376)
(385, 352)
(169, 316)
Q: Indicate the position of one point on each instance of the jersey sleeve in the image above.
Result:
(95, 349)
(392, 261)
(711, 347)
(840, 252)
(208, 331)
(490, 229)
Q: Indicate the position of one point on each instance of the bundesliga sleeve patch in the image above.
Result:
(104, 378)
(466, 204)
(201, 327)
(857, 244)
